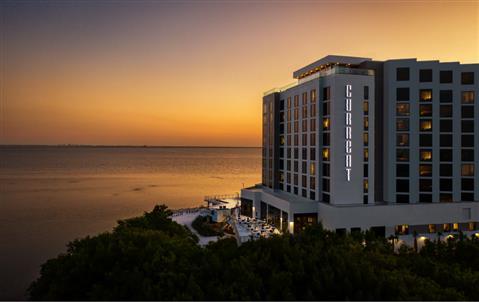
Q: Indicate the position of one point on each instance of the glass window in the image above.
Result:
(425, 75)
(425, 198)
(326, 139)
(366, 123)
(312, 183)
(366, 154)
(445, 76)
(402, 198)
(402, 154)
(312, 153)
(326, 108)
(402, 124)
(365, 170)
(445, 110)
(425, 95)
(402, 94)
(425, 110)
(402, 109)
(425, 140)
(425, 185)
(445, 197)
(445, 155)
(467, 140)
(326, 93)
(425, 125)
(365, 139)
(467, 78)
(312, 168)
(425, 170)
(445, 184)
(467, 196)
(326, 154)
(326, 123)
(445, 125)
(402, 170)
(467, 97)
(467, 184)
(445, 140)
(467, 169)
(326, 170)
(467, 111)
(431, 228)
(313, 95)
(402, 229)
(445, 96)
(326, 184)
(402, 185)
(467, 154)
(366, 92)
(366, 107)
(445, 169)
(402, 74)
(425, 155)
(402, 139)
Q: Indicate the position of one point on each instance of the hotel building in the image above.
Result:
(357, 144)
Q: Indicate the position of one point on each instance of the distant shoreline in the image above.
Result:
(124, 146)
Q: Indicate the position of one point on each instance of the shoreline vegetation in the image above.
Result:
(152, 257)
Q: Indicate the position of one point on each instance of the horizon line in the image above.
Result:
(120, 146)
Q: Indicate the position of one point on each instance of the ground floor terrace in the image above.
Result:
(403, 223)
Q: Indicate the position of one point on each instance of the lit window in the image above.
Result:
(366, 123)
(365, 186)
(425, 170)
(281, 140)
(402, 109)
(366, 154)
(366, 107)
(402, 124)
(326, 154)
(312, 168)
(425, 155)
(468, 97)
(431, 228)
(402, 140)
(313, 95)
(446, 227)
(326, 124)
(455, 227)
(402, 229)
(467, 170)
(365, 139)
(425, 110)
(425, 125)
(425, 95)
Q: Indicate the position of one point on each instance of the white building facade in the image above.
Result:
(359, 145)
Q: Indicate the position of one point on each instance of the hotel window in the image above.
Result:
(326, 108)
(326, 139)
(365, 139)
(296, 100)
(425, 95)
(289, 102)
(366, 92)
(304, 125)
(288, 177)
(288, 166)
(425, 140)
(281, 140)
(312, 183)
(365, 170)
(402, 185)
(467, 111)
(445, 96)
(296, 113)
(445, 184)
(467, 196)
(402, 170)
(296, 167)
(288, 152)
(445, 197)
(467, 155)
(425, 125)
(455, 227)
(467, 78)
(305, 112)
(296, 140)
(326, 170)
(445, 125)
(326, 123)
(281, 105)
(304, 181)
(326, 198)
(312, 154)
(296, 127)
(312, 168)
(402, 74)
(402, 198)
(402, 229)
(425, 170)
(326, 93)
(445, 155)
(313, 110)
(471, 226)
(445, 76)
(366, 123)
(402, 154)
(326, 154)
(313, 95)
(446, 227)
(467, 140)
(304, 154)
(431, 228)
(402, 139)
(312, 139)
(296, 153)
(325, 184)
(425, 185)
(425, 75)
(425, 110)
(402, 109)
(445, 110)
(365, 186)
(366, 154)
(425, 155)
(305, 98)
(366, 107)
(425, 198)
(467, 97)
(445, 140)
(445, 170)
(295, 176)
(467, 184)
(313, 125)
(467, 170)
(402, 94)
(304, 193)
(402, 124)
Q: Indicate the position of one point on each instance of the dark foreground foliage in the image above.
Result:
(153, 258)
(204, 227)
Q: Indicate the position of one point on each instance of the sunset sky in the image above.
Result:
(192, 73)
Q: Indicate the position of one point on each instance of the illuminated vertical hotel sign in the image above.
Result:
(348, 140)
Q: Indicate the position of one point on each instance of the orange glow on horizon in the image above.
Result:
(194, 74)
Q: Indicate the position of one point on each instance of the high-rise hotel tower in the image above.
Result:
(359, 144)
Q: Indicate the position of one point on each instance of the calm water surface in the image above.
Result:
(51, 195)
